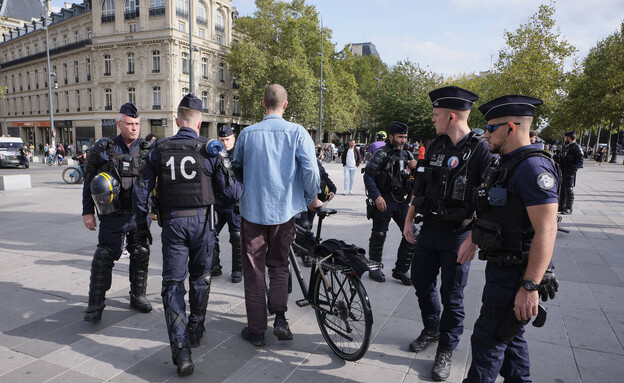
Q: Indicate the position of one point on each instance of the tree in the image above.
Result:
(367, 70)
(282, 44)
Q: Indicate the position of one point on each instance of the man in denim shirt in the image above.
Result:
(281, 179)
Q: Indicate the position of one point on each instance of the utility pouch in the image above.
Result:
(370, 208)
(498, 196)
(487, 235)
(509, 327)
(459, 188)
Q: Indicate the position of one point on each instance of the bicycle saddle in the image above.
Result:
(322, 213)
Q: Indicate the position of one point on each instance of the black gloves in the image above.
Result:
(143, 235)
(549, 285)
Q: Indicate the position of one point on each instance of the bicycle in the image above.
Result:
(328, 157)
(74, 175)
(336, 293)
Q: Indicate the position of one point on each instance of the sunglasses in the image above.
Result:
(492, 128)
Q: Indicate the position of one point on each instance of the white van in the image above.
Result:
(9, 152)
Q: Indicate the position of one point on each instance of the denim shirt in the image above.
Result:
(280, 175)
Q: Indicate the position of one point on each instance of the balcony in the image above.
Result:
(181, 13)
(107, 73)
(201, 21)
(77, 80)
(131, 71)
(108, 107)
(222, 112)
(219, 28)
(108, 18)
(155, 107)
(157, 11)
(131, 15)
(155, 70)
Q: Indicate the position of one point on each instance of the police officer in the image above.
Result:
(227, 213)
(188, 180)
(571, 160)
(118, 161)
(452, 167)
(387, 182)
(515, 229)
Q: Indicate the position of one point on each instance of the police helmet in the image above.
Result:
(324, 194)
(105, 193)
(381, 135)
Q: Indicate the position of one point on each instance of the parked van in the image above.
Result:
(9, 152)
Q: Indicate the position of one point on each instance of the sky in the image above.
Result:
(453, 36)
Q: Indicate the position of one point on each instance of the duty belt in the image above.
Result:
(508, 259)
(443, 224)
(168, 214)
(122, 212)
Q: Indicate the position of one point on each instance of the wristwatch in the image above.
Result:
(529, 285)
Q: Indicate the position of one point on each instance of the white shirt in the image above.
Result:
(350, 158)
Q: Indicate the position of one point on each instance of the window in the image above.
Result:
(56, 99)
(131, 63)
(38, 104)
(235, 106)
(157, 8)
(78, 101)
(132, 9)
(108, 11)
(90, 99)
(88, 69)
(76, 72)
(89, 33)
(65, 40)
(205, 101)
(182, 8)
(108, 99)
(181, 26)
(221, 72)
(202, 33)
(132, 95)
(65, 74)
(107, 65)
(219, 24)
(28, 80)
(36, 79)
(204, 67)
(77, 37)
(221, 104)
(132, 27)
(156, 62)
(54, 43)
(185, 67)
(202, 14)
(156, 98)
(185, 91)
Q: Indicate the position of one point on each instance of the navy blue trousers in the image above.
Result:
(225, 214)
(491, 356)
(436, 249)
(115, 231)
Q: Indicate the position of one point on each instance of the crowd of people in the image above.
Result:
(494, 192)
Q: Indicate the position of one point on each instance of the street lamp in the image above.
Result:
(50, 74)
(320, 138)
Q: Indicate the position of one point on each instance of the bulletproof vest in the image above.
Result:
(391, 173)
(444, 182)
(569, 154)
(183, 181)
(503, 226)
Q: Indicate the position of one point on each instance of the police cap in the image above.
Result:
(225, 131)
(569, 134)
(397, 128)
(453, 97)
(129, 109)
(512, 105)
(191, 101)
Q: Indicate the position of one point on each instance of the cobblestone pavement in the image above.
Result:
(46, 254)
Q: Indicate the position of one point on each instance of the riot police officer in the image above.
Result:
(227, 213)
(515, 229)
(571, 160)
(188, 180)
(452, 167)
(387, 182)
(119, 160)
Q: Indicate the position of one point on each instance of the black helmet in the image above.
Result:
(105, 193)
(323, 196)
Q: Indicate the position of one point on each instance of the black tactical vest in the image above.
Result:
(183, 181)
(391, 173)
(444, 182)
(503, 227)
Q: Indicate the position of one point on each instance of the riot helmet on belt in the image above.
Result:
(105, 193)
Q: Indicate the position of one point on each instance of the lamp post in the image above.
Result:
(191, 50)
(50, 74)
(320, 138)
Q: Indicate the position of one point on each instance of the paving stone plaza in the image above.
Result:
(46, 255)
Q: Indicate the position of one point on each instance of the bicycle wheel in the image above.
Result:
(71, 175)
(327, 158)
(343, 313)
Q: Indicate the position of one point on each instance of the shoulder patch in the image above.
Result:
(545, 181)
(452, 162)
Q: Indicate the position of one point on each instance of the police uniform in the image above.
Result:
(526, 176)
(443, 188)
(387, 175)
(188, 180)
(227, 212)
(571, 160)
(118, 226)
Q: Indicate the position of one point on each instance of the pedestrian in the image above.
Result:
(570, 160)
(599, 156)
(515, 230)
(281, 180)
(51, 155)
(381, 141)
(388, 184)
(452, 167)
(227, 212)
(111, 168)
(362, 150)
(422, 149)
(351, 160)
(186, 166)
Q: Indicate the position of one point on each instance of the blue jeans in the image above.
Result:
(349, 178)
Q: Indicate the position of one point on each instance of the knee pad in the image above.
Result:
(103, 254)
(378, 236)
(235, 238)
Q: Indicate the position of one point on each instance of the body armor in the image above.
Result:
(444, 182)
(503, 228)
(184, 181)
(388, 166)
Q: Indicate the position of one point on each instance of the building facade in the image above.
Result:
(107, 52)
